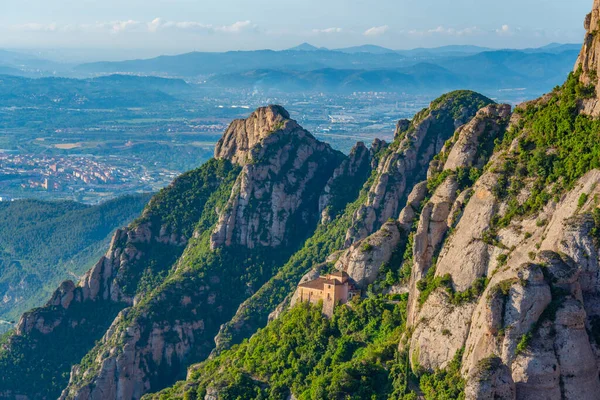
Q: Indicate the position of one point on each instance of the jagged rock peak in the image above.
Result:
(350, 173)
(406, 160)
(243, 134)
(465, 150)
(589, 58)
(402, 126)
(285, 170)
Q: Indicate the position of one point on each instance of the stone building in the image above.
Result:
(334, 288)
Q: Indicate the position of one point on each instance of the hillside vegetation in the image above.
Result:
(43, 243)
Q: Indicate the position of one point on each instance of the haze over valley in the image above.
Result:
(93, 131)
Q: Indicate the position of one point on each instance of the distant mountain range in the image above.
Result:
(17, 63)
(483, 71)
(440, 51)
(307, 67)
(101, 92)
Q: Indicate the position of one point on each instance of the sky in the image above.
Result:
(126, 28)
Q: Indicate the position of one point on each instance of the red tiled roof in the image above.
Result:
(320, 283)
(314, 284)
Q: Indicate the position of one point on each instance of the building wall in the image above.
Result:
(311, 295)
(331, 296)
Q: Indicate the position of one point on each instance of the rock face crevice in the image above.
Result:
(346, 182)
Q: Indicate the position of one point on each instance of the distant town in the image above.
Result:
(49, 154)
(78, 177)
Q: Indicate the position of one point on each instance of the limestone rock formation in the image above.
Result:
(285, 170)
(243, 135)
(351, 172)
(475, 137)
(99, 284)
(273, 203)
(406, 161)
(413, 205)
(589, 59)
(469, 147)
(124, 373)
(541, 294)
(363, 260)
(491, 380)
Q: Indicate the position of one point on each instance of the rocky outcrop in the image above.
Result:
(541, 292)
(440, 333)
(276, 196)
(406, 161)
(413, 205)
(345, 182)
(475, 140)
(430, 233)
(125, 371)
(490, 380)
(363, 260)
(274, 203)
(466, 248)
(470, 147)
(243, 135)
(139, 256)
(98, 284)
(104, 281)
(589, 60)
(544, 293)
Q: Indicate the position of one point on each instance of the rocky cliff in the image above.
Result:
(284, 171)
(514, 281)
(495, 216)
(473, 236)
(405, 162)
(49, 340)
(272, 206)
(589, 62)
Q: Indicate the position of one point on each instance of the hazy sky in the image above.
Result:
(172, 26)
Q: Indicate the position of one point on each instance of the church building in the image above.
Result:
(334, 288)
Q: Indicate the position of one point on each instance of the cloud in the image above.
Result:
(122, 26)
(441, 30)
(157, 24)
(236, 27)
(377, 30)
(504, 30)
(328, 30)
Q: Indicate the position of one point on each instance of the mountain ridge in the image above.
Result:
(472, 240)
